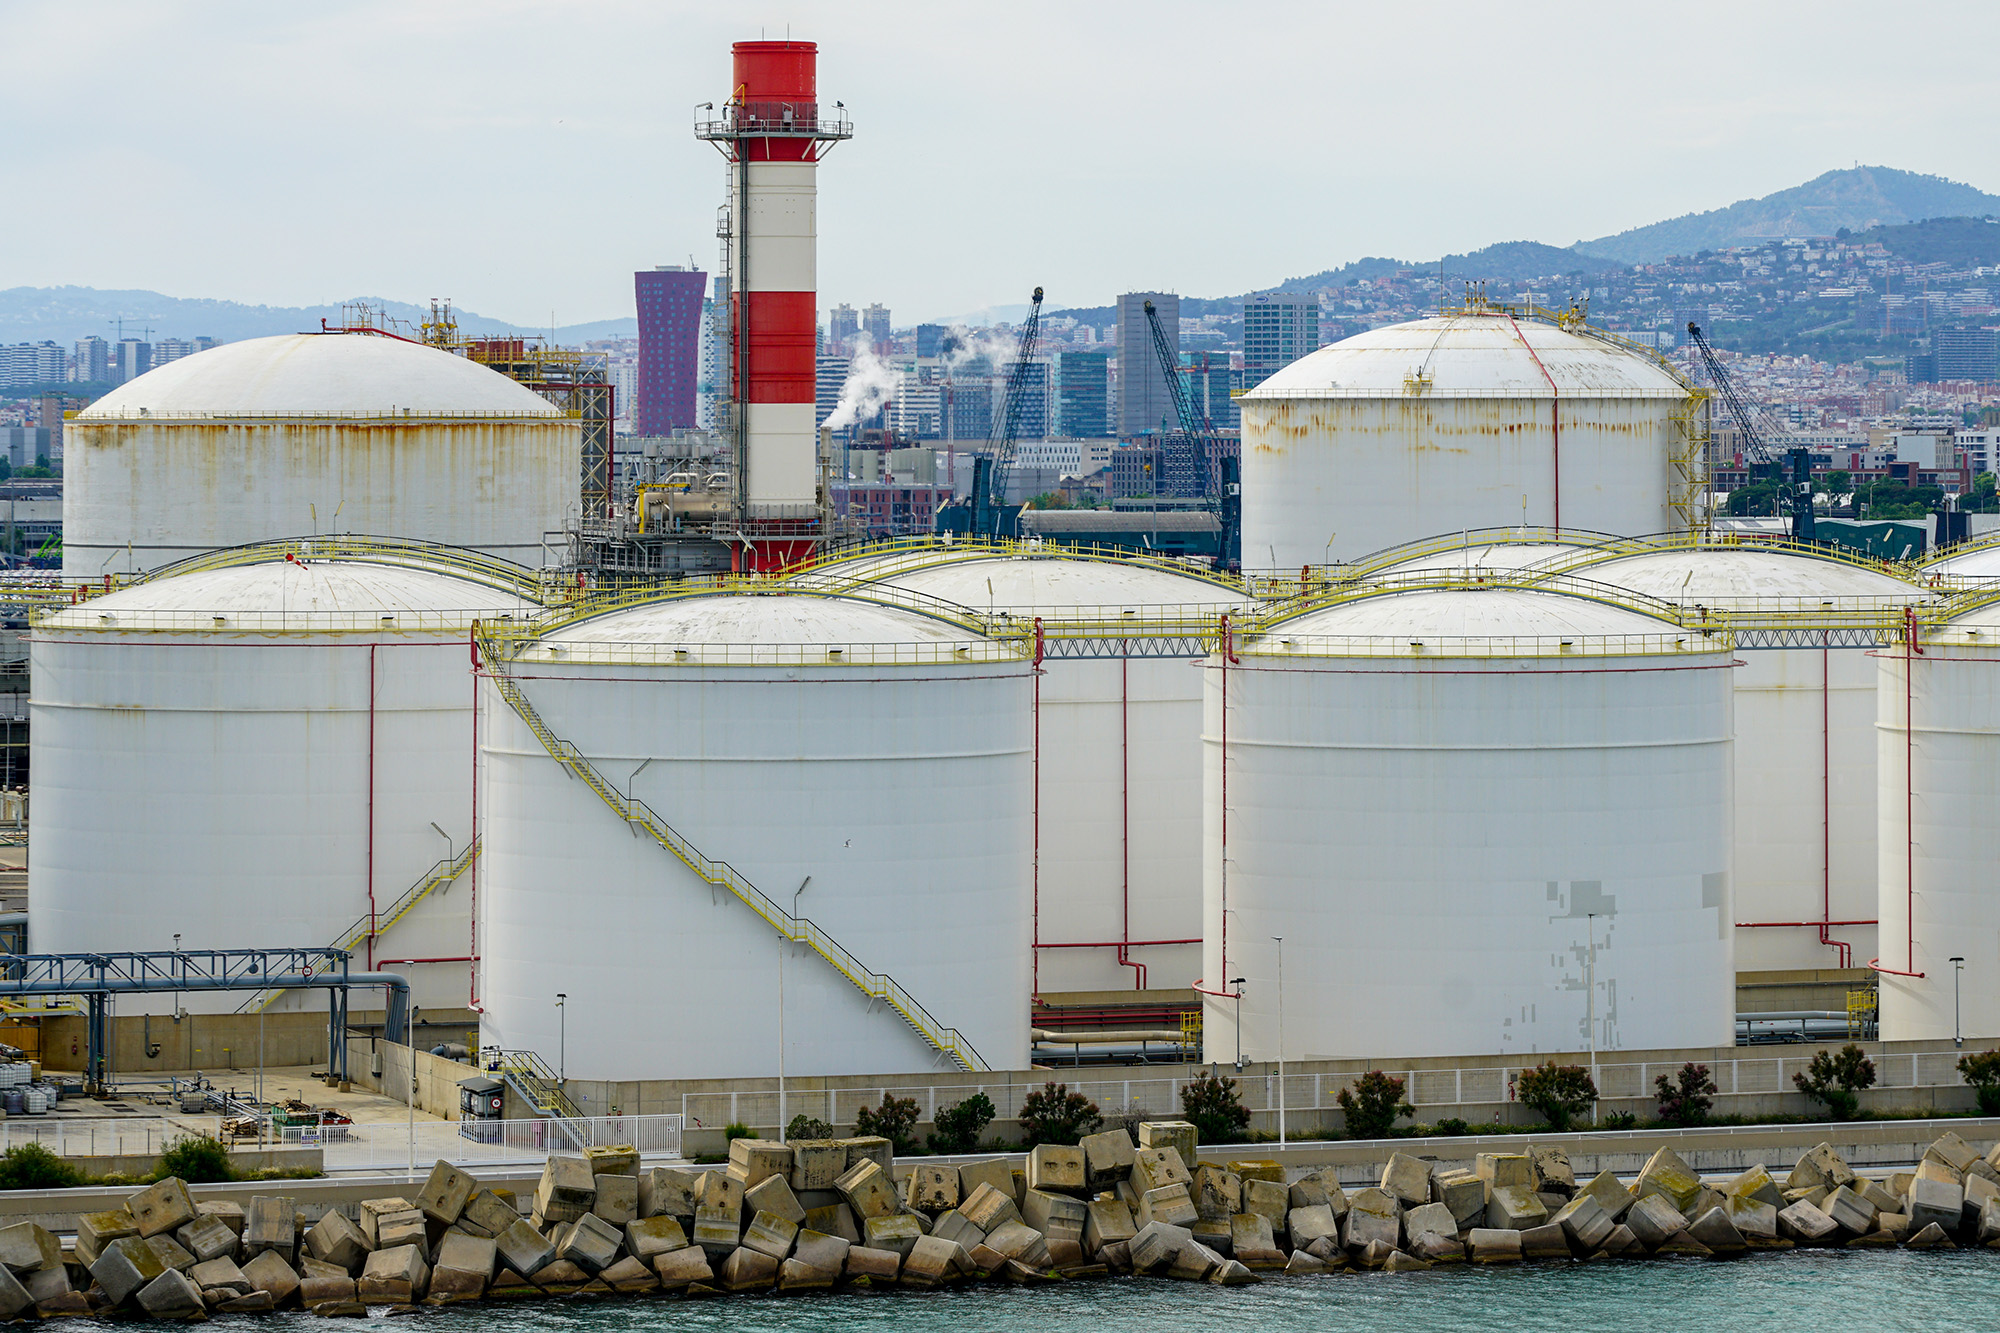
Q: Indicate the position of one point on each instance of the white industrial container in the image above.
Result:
(1465, 421)
(290, 436)
(870, 764)
(1939, 728)
(243, 757)
(1805, 735)
(1118, 842)
(1437, 799)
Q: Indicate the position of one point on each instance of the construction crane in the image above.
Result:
(1195, 451)
(1797, 495)
(1007, 420)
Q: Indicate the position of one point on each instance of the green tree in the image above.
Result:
(1834, 1079)
(1372, 1105)
(959, 1126)
(1838, 484)
(1755, 499)
(1215, 1109)
(895, 1120)
(1559, 1093)
(1687, 1099)
(198, 1159)
(1981, 1069)
(1054, 1114)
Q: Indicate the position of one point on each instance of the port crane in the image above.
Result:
(1796, 495)
(1195, 452)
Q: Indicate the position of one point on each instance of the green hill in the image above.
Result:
(1509, 261)
(1959, 242)
(1857, 199)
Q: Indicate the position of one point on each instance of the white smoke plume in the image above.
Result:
(870, 384)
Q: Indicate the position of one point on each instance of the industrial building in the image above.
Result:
(1495, 747)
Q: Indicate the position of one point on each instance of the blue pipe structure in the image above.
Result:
(99, 976)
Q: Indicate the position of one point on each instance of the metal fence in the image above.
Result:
(135, 1136)
(390, 1145)
(1441, 1089)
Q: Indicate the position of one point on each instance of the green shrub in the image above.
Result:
(1373, 1104)
(30, 1166)
(199, 1159)
(895, 1120)
(1056, 1115)
(1619, 1120)
(1216, 1110)
(959, 1127)
(806, 1127)
(1981, 1069)
(1558, 1093)
(1834, 1077)
(1453, 1127)
(1687, 1100)
(737, 1130)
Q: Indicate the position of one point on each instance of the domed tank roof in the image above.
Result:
(1978, 562)
(1746, 577)
(758, 628)
(1474, 355)
(1029, 584)
(1494, 614)
(325, 595)
(319, 375)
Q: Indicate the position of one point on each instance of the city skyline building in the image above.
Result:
(1083, 384)
(670, 303)
(842, 324)
(1144, 400)
(1278, 329)
(875, 323)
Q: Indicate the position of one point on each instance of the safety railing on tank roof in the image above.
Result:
(947, 1040)
(1463, 540)
(1475, 579)
(1276, 643)
(403, 553)
(591, 606)
(903, 555)
(614, 653)
(409, 414)
(85, 617)
(1730, 539)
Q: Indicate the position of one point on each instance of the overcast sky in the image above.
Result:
(524, 159)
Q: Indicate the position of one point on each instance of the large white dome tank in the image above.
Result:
(1119, 741)
(1437, 799)
(1939, 729)
(1968, 564)
(254, 756)
(1807, 625)
(307, 433)
(864, 763)
(1471, 420)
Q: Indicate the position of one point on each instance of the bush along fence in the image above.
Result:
(821, 1214)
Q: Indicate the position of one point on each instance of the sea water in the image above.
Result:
(1806, 1289)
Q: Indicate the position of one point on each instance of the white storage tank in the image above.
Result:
(1438, 799)
(1477, 419)
(1968, 564)
(1807, 625)
(255, 756)
(1939, 728)
(282, 437)
(1118, 808)
(868, 765)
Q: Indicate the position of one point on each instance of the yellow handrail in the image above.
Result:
(875, 985)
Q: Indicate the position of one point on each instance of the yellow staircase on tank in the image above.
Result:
(947, 1040)
(447, 869)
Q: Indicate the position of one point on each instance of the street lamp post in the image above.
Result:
(1238, 983)
(1957, 1031)
(784, 947)
(1280, 941)
(562, 1041)
(1590, 1003)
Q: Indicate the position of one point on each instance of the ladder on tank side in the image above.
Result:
(875, 985)
(445, 871)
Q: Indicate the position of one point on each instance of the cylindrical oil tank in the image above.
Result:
(261, 755)
(1806, 627)
(1968, 564)
(1938, 722)
(1471, 420)
(274, 438)
(1477, 819)
(865, 765)
(1118, 754)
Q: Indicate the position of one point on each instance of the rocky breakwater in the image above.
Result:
(818, 1215)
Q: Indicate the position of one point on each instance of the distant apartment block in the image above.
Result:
(92, 361)
(842, 324)
(829, 377)
(1278, 329)
(930, 338)
(875, 323)
(1144, 400)
(1211, 383)
(1964, 354)
(1083, 383)
(24, 364)
(1033, 421)
(670, 329)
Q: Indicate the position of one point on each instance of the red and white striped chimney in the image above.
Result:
(773, 134)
